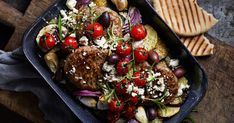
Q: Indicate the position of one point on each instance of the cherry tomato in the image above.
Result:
(134, 100)
(130, 111)
(116, 106)
(69, 44)
(47, 41)
(141, 55)
(120, 87)
(122, 67)
(95, 29)
(140, 79)
(112, 117)
(138, 32)
(123, 49)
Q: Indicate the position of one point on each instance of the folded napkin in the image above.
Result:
(17, 74)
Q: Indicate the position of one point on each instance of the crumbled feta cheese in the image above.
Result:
(134, 94)
(87, 67)
(107, 67)
(84, 53)
(73, 35)
(71, 4)
(129, 88)
(141, 91)
(78, 78)
(63, 13)
(73, 70)
(84, 41)
(101, 42)
(174, 62)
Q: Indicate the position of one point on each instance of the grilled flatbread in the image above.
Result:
(184, 17)
(198, 45)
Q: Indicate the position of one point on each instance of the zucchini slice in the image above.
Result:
(168, 111)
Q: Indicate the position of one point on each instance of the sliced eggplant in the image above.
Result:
(88, 101)
(177, 101)
(183, 81)
(141, 115)
(156, 120)
(168, 111)
(102, 105)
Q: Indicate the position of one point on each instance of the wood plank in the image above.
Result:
(217, 105)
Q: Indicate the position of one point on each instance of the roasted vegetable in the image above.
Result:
(141, 115)
(177, 101)
(100, 3)
(120, 4)
(157, 120)
(168, 111)
(52, 61)
(151, 38)
(88, 101)
(133, 18)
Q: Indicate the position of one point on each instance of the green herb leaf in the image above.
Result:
(60, 27)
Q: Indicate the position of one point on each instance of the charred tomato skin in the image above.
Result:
(95, 30)
(138, 32)
(141, 54)
(123, 49)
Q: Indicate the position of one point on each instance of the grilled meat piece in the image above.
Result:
(86, 15)
(84, 67)
(170, 79)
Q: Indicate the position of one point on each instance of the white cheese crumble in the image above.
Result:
(152, 75)
(108, 67)
(84, 41)
(134, 90)
(102, 42)
(73, 70)
(87, 67)
(71, 5)
(173, 62)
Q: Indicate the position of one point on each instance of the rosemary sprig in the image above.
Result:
(60, 27)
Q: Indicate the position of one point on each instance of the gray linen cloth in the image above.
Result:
(17, 74)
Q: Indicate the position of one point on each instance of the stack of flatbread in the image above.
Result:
(189, 21)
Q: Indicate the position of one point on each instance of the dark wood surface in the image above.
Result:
(217, 105)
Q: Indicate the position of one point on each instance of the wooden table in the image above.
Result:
(217, 105)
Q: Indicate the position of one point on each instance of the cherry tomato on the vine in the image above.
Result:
(123, 49)
(121, 87)
(122, 67)
(47, 41)
(141, 55)
(95, 29)
(69, 43)
(140, 79)
(116, 106)
(138, 32)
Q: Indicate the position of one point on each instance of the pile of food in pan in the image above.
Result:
(115, 63)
